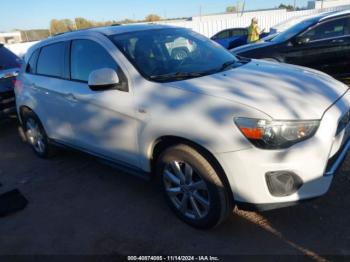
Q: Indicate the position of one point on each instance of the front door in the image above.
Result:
(103, 121)
(327, 48)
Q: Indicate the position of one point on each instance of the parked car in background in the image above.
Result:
(196, 122)
(321, 42)
(233, 37)
(9, 68)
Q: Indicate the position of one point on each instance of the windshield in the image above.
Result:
(173, 54)
(8, 60)
(293, 31)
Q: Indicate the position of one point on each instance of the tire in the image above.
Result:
(36, 136)
(207, 201)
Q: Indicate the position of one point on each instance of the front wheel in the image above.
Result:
(192, 187)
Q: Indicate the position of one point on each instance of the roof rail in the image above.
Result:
(71, 31)
(84, 29)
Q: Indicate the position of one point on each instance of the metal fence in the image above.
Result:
(211, 24)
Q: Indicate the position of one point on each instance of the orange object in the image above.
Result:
(252, 133)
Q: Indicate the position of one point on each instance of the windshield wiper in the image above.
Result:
(176, 76)
(227, 65)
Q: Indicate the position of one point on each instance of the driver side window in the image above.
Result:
(87, 56)
(330, 29)
(223, 34)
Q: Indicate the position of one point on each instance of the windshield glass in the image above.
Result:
(293, 31)
(8, 60)
(173, 54)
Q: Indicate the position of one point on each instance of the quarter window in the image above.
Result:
(51, 60)
(31, 66)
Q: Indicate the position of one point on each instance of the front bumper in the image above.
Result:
(315, 161)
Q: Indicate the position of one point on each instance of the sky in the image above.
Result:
(36, 14)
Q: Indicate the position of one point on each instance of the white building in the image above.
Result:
(318, 4)
(10, 37)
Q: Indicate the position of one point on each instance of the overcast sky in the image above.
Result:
(33, 14)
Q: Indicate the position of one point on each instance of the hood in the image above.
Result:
(284, 92)
(248, 47)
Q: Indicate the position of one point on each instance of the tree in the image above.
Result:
(82, 23)
(152, 18)
(61, 26)
(231, 9)
(288, 7)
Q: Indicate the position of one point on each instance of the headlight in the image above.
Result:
(276, 134)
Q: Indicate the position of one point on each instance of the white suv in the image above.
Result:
(217, 130)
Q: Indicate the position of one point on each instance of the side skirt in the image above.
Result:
(119, 165)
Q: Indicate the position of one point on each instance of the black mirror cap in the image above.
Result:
(103, 87)
(301, 40)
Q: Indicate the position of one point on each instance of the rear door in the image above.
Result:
(238, 37)
(50, 89)
(223, 38)
(328, 48)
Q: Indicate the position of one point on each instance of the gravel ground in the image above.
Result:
(78, 205)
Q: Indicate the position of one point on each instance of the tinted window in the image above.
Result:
(173, 54)
(223, 34)
(334, 28)
(239, 32)
(87, 56)
(31, 66)
(293, 31)
(51, 60)
(8, 59)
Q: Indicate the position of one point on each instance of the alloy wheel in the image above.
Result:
(35, 135)
(186, 189)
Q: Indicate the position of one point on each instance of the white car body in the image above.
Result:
(124, 127)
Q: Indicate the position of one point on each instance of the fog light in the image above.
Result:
(283, 183)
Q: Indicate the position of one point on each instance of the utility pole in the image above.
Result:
(295, 5)
(322, 4)
(200, 12)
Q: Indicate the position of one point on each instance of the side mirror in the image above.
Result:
(302, 40)
(103, 79)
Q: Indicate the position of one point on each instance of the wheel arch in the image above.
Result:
(22, 110)
(164, 142)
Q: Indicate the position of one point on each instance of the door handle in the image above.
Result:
(71, 98)
(338, 41)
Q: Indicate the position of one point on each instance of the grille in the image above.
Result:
(343, 123)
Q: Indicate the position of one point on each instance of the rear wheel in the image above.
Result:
(192, 187)
(36, 135)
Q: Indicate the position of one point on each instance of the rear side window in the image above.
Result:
(51, 59)
(31, 66)
(238, 32)
(223, 34)
(8, 60)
